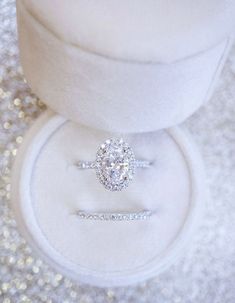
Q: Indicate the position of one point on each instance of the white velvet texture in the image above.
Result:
(100, 89)
(142, 31)
(110, 94)
(48, 189)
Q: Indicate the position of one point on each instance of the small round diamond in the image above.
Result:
(115, 164)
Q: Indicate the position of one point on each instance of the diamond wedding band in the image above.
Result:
(122, 216)
(115, 164)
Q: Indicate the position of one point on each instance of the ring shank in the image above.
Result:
(113, 216)
(86, 164)
(92, 164)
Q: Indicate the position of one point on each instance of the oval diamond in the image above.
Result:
(115, 164)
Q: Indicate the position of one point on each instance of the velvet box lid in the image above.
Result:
(124, 66)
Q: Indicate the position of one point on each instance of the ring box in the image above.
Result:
(101, 77)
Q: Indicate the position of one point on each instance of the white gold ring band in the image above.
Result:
(93, 164)
(114, 216)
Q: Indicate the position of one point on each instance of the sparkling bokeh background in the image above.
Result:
(205, 274)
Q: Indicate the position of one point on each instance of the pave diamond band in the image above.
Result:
(92, 164)
(115, 164)
(122, 216)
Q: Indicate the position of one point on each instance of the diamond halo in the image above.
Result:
(115, 164)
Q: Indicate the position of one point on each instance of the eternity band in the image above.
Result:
(112, 216)
(115, 164)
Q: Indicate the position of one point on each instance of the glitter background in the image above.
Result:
(207, 271)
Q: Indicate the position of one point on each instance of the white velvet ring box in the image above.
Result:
(115, 69)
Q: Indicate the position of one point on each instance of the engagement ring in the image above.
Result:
(115, 164)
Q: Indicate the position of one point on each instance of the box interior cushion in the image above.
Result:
(51, 189)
